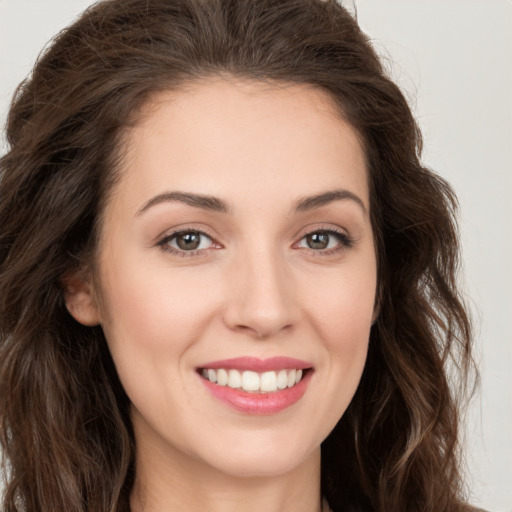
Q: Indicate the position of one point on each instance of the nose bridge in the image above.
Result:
(261, 298)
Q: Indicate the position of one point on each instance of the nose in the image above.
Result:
(260, 299)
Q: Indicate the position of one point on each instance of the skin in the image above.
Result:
(255, 287)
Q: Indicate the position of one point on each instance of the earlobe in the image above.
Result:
(80, 299)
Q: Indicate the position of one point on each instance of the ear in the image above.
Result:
(80, 298)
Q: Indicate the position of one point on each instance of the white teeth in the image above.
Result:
(250, 381)
(291, 378)
(266, 382)
(282, 379)
(222, 377)
(234, 379)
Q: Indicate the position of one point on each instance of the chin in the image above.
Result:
(262, 462)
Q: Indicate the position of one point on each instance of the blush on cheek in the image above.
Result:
(348, 317)
(153, 310)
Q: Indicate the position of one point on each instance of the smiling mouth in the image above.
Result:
(254, 382)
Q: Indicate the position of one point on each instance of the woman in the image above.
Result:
(227, 280)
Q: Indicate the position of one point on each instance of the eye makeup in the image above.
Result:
(190, 242)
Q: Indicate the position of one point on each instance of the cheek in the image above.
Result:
(152, 312)
(342, 308)
(153, 320)
(342, 319)
(346, 334)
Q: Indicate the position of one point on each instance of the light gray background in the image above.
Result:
(453, 59)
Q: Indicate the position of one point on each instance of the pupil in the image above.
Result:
(189, 241)
(318, 240)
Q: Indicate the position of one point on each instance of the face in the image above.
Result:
(237, 250)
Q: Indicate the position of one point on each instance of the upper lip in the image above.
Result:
(258, 365)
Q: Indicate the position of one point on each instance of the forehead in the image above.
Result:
(244, 138)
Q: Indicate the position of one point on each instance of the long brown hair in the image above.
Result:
(64, 417)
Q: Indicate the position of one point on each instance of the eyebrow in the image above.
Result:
(324, 198)
(215, 204)
(197, 200)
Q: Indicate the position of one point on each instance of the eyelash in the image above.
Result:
(345, 242)
(164, 243)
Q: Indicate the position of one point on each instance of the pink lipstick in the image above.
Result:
(257, 386)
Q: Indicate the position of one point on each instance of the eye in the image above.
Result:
(186, 241)
(324, 240)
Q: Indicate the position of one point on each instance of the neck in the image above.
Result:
(168, 480)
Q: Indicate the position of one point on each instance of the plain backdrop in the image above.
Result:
(453, 60)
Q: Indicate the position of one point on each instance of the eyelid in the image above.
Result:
(185, 228)
(346, 239)
(163, 240)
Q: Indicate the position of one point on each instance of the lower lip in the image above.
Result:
(259, 403)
